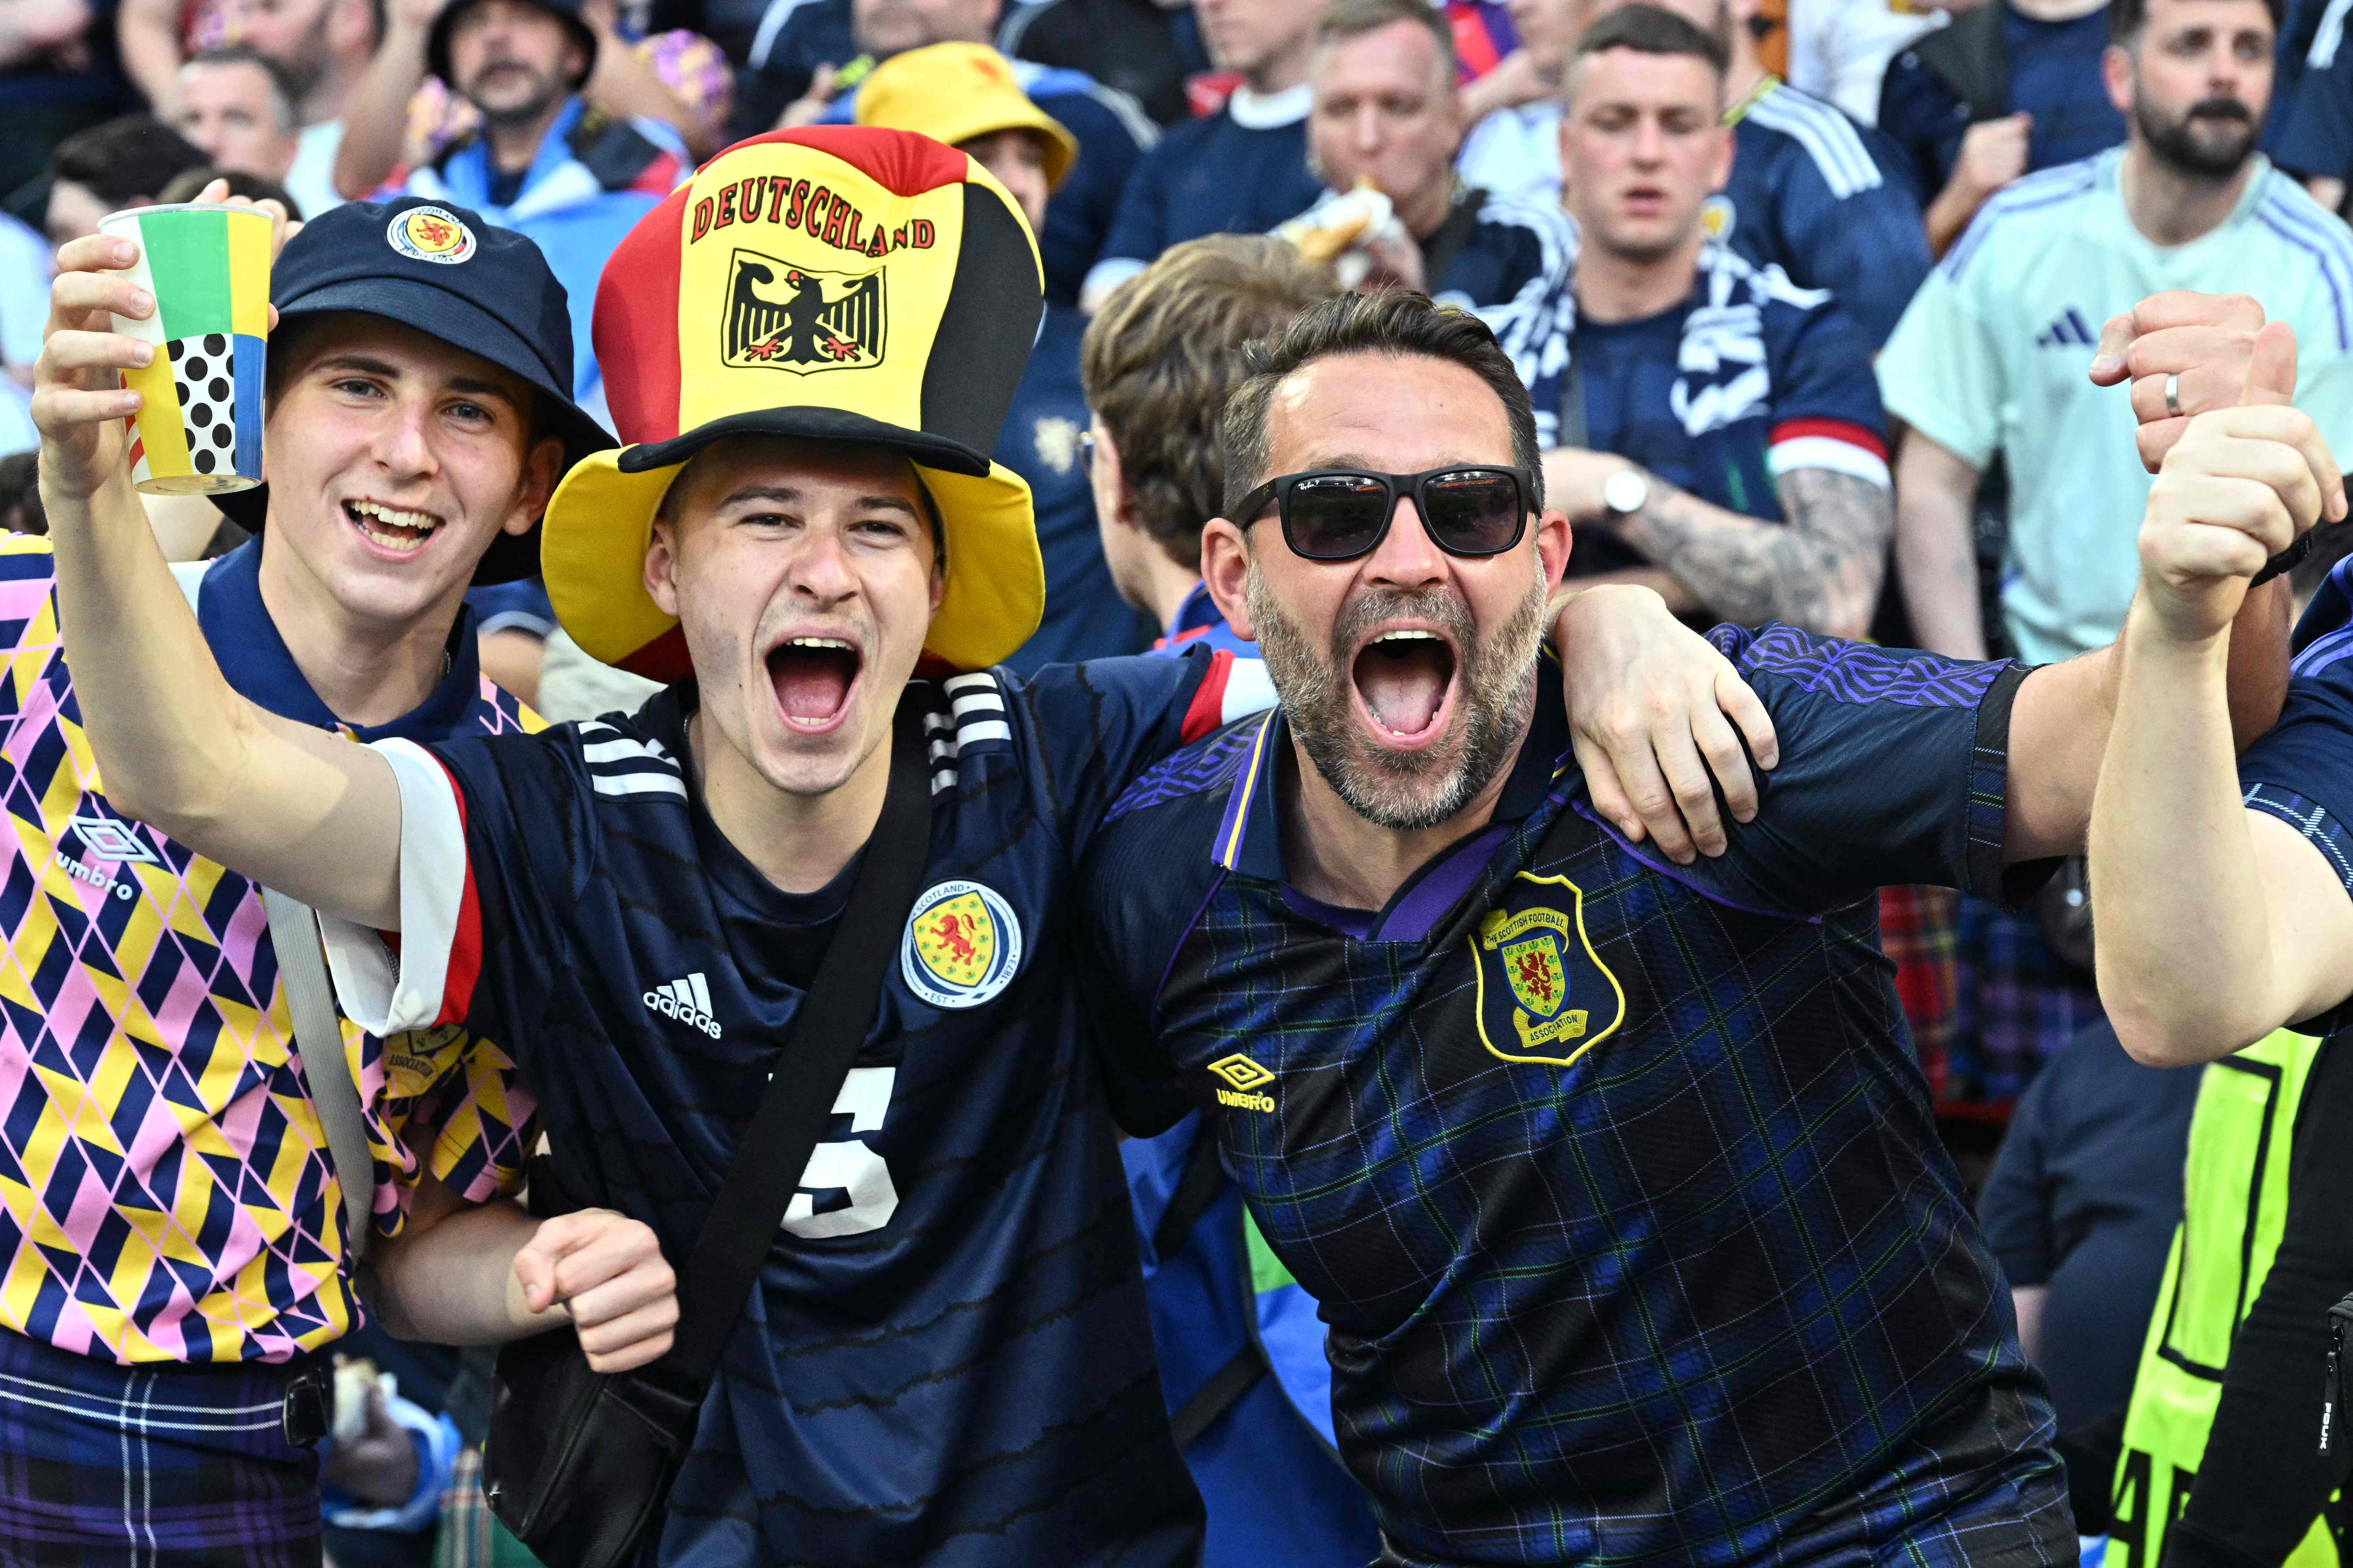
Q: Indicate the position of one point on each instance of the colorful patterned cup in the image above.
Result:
(199, 421)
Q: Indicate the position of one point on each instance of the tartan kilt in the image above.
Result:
(158, 1466)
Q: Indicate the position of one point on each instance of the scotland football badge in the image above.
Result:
(962, 945)
(1544, 995)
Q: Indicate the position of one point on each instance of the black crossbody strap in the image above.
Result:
(819, 1047)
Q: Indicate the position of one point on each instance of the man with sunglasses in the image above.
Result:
(1616, 1180)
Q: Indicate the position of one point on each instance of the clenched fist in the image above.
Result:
(606, 1272)
(2235, 489)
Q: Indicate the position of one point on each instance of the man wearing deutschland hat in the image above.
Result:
(811, 346)
(967, 96)
(174, 1230)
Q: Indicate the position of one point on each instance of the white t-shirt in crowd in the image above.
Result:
(1991, 354)
(1839, 49)
(1515, 153)
(312, 181)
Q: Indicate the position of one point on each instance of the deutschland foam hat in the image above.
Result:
(839, 284)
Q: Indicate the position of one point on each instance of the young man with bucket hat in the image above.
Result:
(177, 1233)
(946, 1360)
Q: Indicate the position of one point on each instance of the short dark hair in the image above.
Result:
(20, 494)
(284, 99)
(124, 159)
(185, 185)
(1393, 322)
(1344, 19)
(1161, 357)
(1649, 30)
(2128, 18)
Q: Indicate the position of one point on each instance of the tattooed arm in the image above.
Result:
(1820, 570)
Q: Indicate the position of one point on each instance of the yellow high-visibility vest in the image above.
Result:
(2235, 1206)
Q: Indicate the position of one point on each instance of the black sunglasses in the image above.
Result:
(1339, 514)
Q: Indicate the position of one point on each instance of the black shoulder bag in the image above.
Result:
(580, 1463)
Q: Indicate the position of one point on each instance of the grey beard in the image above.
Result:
(1404, 792)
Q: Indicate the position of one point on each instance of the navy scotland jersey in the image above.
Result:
(1825, 199)
(2311, 128)
(1617, 1181)
(2051, 70)
(1749, 378)
(1240, 170)
(1507, 260)
(2302, 770)
(947, 1361)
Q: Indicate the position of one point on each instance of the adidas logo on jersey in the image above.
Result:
(2067, 330)
(688, 1001)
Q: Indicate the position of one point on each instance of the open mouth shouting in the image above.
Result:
(813, 677)
(1404, 678)
(393, 531)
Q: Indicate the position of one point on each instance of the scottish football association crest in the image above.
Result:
(962, 945)
(784, 317)
(1544, 995)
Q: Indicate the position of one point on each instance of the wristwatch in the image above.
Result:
(1624, 493)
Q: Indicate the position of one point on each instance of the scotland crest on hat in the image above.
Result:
(836, 284)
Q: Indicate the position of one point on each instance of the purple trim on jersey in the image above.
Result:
(1353, 923)
(1193, 770)
(1676, 873)
(1856, 672)
(1226, 848)
(2273, 213)
(1443, 886)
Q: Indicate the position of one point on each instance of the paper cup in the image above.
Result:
(199, 421)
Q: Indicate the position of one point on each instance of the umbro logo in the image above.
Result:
(111, 840)
(2068, 329)
(1244, 1075)
(688, 1001)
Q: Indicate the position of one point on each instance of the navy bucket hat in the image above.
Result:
(440, 269)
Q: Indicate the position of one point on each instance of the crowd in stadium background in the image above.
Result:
(1815, 306)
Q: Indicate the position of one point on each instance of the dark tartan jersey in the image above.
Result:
(1616, 1181)
(947, 1362)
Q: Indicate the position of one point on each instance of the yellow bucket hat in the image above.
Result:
(835, 283)
(953, 92)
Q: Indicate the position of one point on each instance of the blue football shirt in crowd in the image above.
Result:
(2302, 770)
(1748, 379)
(1825, 199)
(1240, 170)
(2084, 1199)
(2054, 75)
(2311, 128)
(1085, 617)
(1505, 259)
(1198, 619)
(947, 1361)
(1617, 1181)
